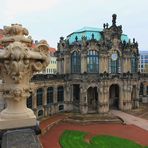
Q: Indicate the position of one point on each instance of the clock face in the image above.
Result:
(114, 56)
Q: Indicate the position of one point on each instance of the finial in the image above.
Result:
(76, 38)
(133, 40)
(92, 36)
(129, 41)
(61, 38)
(104, 25)
(114, 16)
(107, 25)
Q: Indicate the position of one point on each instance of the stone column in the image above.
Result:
(137, 98)
(106, 99)
(83, 62)
(45, 102)
(67, 64)
(55, 107)
(101, 100)
(34, 102)
(71, 93)
(58, 66)
(83, 100)
(125, 96)
(129, 97)
(121, 97)
(67, 98)
(103, 63)
(126, 64)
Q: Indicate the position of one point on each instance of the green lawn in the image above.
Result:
(75, 139)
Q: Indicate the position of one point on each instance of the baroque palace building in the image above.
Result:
(97, 70)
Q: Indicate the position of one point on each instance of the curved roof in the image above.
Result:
(87, 32)
(89, 29)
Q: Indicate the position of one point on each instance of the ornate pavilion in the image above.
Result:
(97, 71)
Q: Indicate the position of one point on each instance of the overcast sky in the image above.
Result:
(50, 19)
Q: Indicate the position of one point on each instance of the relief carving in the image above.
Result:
(18, 62)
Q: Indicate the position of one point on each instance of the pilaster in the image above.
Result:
(83, 62)
(45, 101)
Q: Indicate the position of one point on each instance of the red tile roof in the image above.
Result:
(52, 50)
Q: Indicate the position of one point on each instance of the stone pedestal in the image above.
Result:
(22, 138)
(17, 123)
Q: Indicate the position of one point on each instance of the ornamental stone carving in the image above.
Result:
(18, 62)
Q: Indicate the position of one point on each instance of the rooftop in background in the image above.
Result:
(143, 51)
(87, 32)
(52, 51)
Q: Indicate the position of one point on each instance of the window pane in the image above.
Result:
(39, 97)
(60, 94)
(76, 62)
(92, 62)
(50, 95)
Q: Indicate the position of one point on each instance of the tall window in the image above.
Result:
(92, 61)
(60, 94)
(115, 63)
(29, 102)
(133, 64)
(39, 97)
(50, 95)
(75, 62)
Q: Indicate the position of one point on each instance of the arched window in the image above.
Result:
(133, 64)
(29, 102)
(39, 97)
(92, 61)
(50, 95)
(40, 113)
(60, 94)
(115, 63)
(75, 62)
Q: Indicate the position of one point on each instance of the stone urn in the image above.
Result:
(18, 62)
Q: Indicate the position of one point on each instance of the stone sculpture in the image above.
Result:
(18, 62)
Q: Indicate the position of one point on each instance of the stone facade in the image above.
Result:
(115, 81)
(95, 74)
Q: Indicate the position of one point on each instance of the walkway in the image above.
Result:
(130, 119)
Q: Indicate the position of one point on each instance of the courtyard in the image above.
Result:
(54, 127)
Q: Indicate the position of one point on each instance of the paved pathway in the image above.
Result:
(130, 119)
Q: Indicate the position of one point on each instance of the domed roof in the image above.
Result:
(87, 32)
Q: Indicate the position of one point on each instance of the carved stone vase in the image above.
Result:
(18, 62)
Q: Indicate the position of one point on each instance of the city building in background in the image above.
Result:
(52, 67)
(143, 62)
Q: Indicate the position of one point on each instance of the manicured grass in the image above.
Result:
(75, 139)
